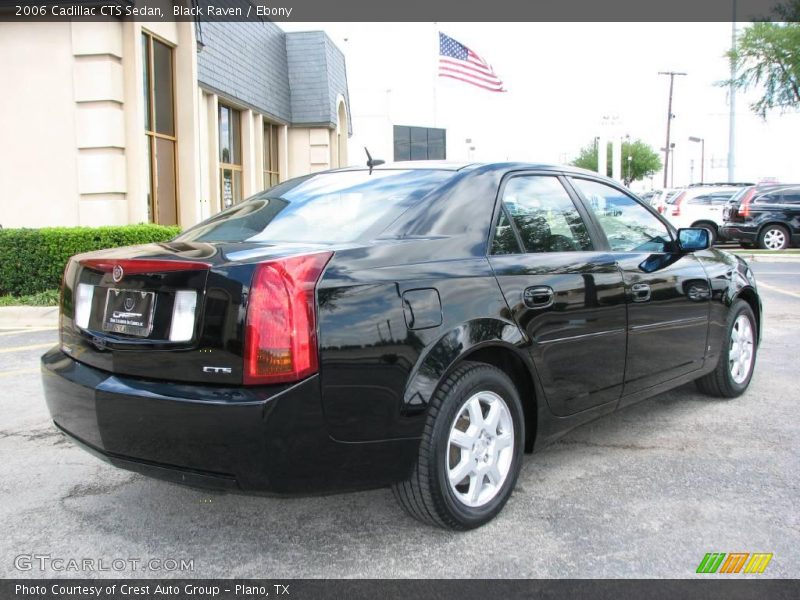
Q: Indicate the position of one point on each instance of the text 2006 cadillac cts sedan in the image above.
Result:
(418, 325)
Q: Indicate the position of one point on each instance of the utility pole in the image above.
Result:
(672, 75)
(732, 97)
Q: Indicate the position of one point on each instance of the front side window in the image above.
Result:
(543, 215)
(230, 156)
(629, 226)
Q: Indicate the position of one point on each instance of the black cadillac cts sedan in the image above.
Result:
(418, 325)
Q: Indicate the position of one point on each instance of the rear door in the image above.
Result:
(567, 295)
(779, 205)
(668, 293)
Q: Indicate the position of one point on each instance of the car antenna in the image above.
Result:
(372, 162)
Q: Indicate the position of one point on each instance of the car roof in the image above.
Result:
(776, 186)
(410, 165)
(710, 189)
(445, 165)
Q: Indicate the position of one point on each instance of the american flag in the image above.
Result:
(456, 61)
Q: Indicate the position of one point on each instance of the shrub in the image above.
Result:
(46, 298)
(33, 260)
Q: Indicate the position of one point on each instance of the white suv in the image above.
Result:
(700, 206)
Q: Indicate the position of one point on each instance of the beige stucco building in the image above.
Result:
(115, 123)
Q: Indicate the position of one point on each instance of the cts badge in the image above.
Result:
(117, 274)
(218, 370)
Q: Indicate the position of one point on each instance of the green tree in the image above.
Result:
(767, 56)
(644, 162)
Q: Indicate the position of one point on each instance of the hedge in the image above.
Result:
(33, 260)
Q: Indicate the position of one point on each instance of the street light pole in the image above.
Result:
(702, 142)
(672, 75)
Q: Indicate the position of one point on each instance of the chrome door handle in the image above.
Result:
(538, 296)
(641, 292)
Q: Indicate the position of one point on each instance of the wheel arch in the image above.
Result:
(773, 221)
(701, 222)
(509, 361)
(490, 341)
(749, 295)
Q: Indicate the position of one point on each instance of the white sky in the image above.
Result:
(562, 78)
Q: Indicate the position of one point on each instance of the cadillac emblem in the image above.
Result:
(117, 274)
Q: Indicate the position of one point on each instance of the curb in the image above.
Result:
(27, 317)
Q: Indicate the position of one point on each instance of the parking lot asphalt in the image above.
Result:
(645, 492)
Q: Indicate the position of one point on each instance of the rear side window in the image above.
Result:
(706, 199)
(767, 199)
(721, 198)
(543, 215)
(791, 196)
(505, 240)
(343, 206)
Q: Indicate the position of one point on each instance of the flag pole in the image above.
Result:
(435, 74)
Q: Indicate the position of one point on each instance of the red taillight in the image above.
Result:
(281, 334)
(744, 205)
(133, 266)
(676, 209)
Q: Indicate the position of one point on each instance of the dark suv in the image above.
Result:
(764, 215)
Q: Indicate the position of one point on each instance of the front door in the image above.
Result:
(668, 293)
(567, 295)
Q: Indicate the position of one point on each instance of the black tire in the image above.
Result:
(427, 494)
(713, 234)
(770, 232)
(720, 381)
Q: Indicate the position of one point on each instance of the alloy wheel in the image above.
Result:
(480, 449)
(774, 239)
(740, 353)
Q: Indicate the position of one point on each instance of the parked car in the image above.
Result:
(649, 197)
(766, 215)
(701, 205)
(418, 325)
(659, 201)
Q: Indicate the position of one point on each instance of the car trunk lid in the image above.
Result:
(172, 311)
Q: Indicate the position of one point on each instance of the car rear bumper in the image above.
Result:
(253, 439)
(739, 234)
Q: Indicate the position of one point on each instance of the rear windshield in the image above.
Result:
(344, 206)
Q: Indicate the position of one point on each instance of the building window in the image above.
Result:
(230, 156)
(159, 129)
(271, 169)
(419, 143)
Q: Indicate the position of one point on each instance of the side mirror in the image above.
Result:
(692, 239)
